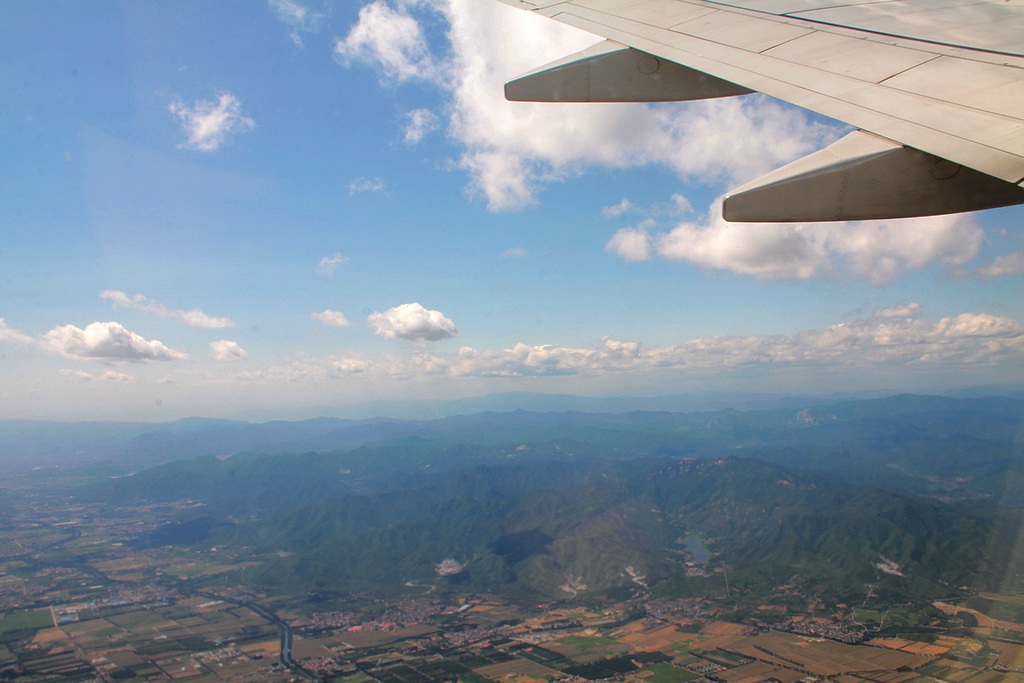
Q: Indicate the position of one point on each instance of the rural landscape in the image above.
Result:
(850, 541)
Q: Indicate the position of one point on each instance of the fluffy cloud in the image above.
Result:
(630, 244)
(224, 350)
(331, 318)
(120, 377)
(1007, 264)
(105, 341)
(418, 124)
(878, 251)
(910, 311)
(617, 209)
(301, 19)
(890, 340)
(546, 359)
(209, 124)
(80, 375)
(681, 204)
(361, 185)
(412, 322)
(512, 149)
(193, 318)
(328, 264)
(12, 336)
(390, 39)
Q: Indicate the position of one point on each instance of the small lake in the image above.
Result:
(696, 547)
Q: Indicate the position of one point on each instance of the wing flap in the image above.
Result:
(864, 177)
(610, 72)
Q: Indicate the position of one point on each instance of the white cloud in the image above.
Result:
(107, 376)
(114, 376)
(300, 18)
(523, 360)
(513, 149)
(328, 264)
(882, 250)
(224, 350)
(209, 124)
(412, 322)
(515, 252)
(1006, 264)
(681, 204)
(418, 124)
(80, 375)
(348, 366)
(331, 318)
(361, 185)
(767, 252)
(630, 244)
(389, 39)
(617, 209)
(12, 336)
(909, 311)
(106, 341)
(193, 318)
(878, 251)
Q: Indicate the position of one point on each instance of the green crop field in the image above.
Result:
(863, 615)
(19, 621)
(588, 644)
(666, 673)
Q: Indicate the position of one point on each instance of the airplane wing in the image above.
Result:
(934, 87)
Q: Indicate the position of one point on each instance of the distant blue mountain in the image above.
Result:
(522, 416)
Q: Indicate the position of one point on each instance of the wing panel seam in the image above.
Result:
(938, 43)
(911, 68)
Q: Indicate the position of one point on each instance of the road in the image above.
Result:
(286, 631)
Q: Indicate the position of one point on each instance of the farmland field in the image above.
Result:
(19, 621)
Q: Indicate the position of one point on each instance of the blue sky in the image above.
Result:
(215, 208)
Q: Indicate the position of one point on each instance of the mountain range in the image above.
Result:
(901, 496)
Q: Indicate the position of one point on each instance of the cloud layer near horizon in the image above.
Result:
(890, 337)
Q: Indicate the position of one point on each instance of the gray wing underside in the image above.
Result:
(934, 87)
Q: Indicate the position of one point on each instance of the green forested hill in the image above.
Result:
(770, 527)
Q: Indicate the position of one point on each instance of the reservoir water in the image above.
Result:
(696, 547)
